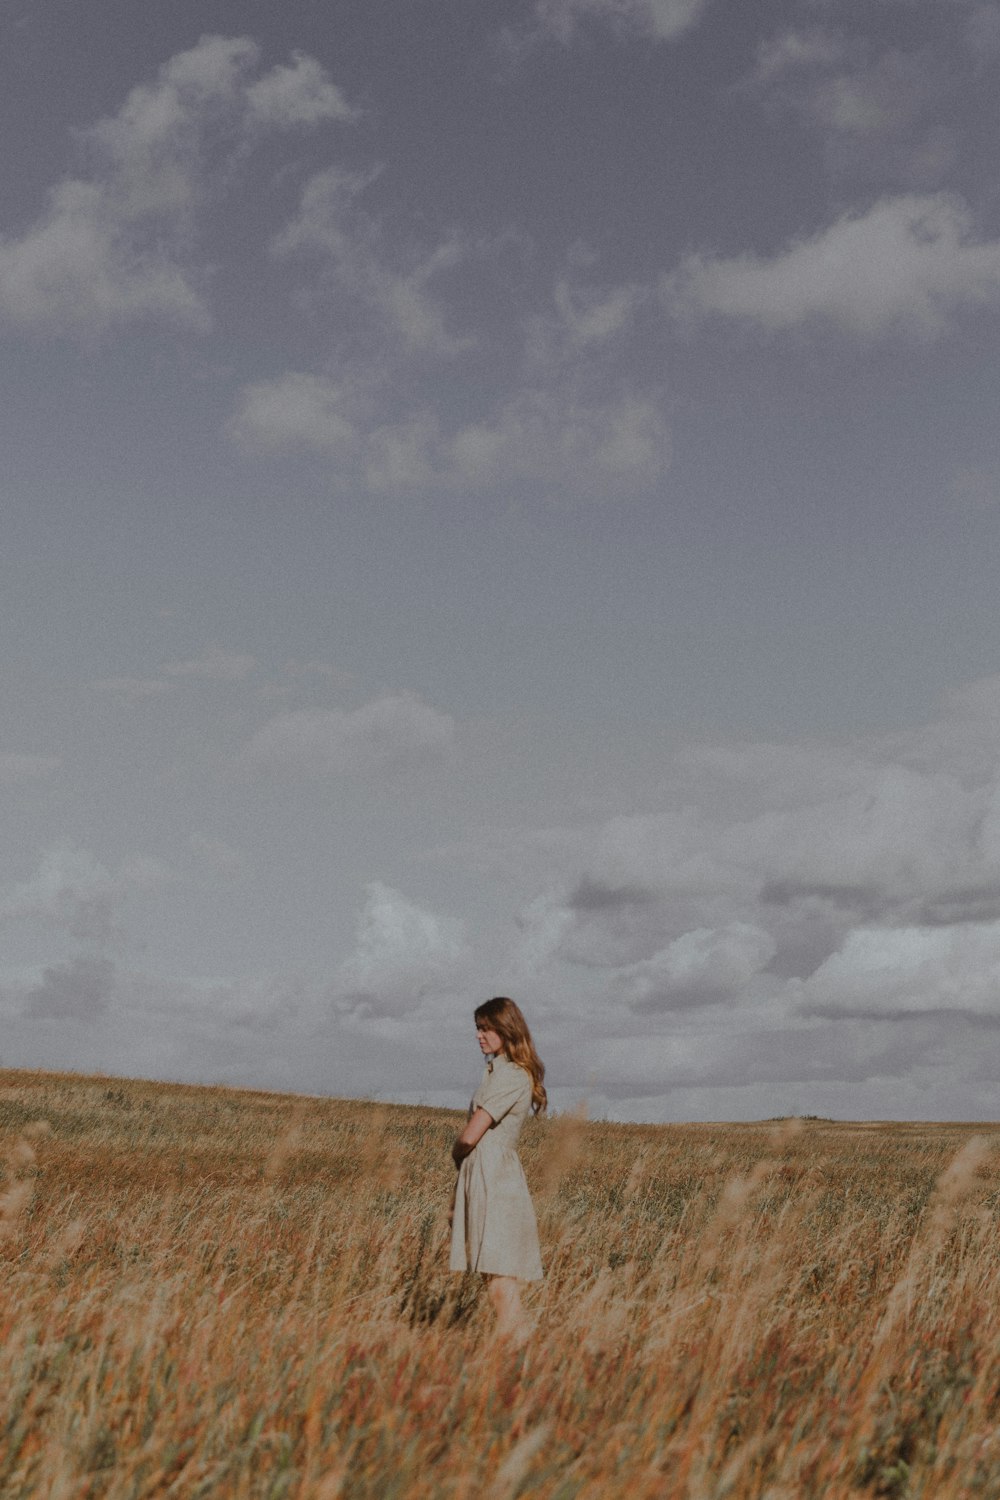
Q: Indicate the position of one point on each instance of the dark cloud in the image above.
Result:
(81, 989)
(971, 903)
(595, 896)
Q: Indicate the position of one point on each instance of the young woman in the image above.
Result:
(493, 1223)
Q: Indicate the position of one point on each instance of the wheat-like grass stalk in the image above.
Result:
(209, 1293)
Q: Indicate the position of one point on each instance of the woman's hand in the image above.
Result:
(475, 1128)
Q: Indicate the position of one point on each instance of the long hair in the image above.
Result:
(504, 1017)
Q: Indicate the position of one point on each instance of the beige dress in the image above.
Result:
(493, 1226)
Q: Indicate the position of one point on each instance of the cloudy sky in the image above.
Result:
(504, 498)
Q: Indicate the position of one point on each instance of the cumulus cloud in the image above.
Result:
(785, 891)
(282, 1031)
(359, 267)
(883, 114)
(908, 265)
(793, 52)
(72, 891)
(702, 967)
(570, 422)
(300, 411)
(590, 316)
(886, 97)
(81, 989)
(881, 973)
(817, 914)
(116, 245)
(149, 157)
(389, 734)
(82, 268)
(656, 20)
(564, 442)
(841, 86)
(296, 94)
(404, 956)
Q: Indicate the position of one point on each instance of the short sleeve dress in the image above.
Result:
(493, 1226)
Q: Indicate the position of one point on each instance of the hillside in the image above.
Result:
(208, 1292)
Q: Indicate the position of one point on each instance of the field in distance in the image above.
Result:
(207, 1292)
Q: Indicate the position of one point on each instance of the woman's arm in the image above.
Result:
(475, 1128)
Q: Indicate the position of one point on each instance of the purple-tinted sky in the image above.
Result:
(504, 498)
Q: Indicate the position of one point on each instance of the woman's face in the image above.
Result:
(489, 1041)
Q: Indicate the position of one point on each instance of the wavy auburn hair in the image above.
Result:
(504, 1017)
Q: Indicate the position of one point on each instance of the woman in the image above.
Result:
(493, 1223)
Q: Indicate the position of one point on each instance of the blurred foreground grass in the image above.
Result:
(205, 1292)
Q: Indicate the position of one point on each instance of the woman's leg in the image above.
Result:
(512, 1321)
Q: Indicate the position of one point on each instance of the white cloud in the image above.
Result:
(569, 425)
(659, 20)
(781, 885)
(150, 156)
(820, 913)
(297, 94)
(703, 967)
(888, 95)
(594, 316)
(882, 972)
(361, 268)
(72, 891)
(215, 664)
(842, 88)
(404, 456)
(299, 410)
(324, 224)
(883, 115)
(908, 265)
(389, 734)
(281, 1031)
(792, 52)
(404, 957)
(80, 268)
(569, 445)
(16, 768)
(583, 327)
(116, 245)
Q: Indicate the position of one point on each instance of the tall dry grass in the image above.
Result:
(212, 1293)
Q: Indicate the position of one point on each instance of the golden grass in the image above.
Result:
(212, 1293)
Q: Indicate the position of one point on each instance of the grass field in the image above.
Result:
(212, 1293)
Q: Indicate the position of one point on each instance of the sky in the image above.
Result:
(504, 499)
